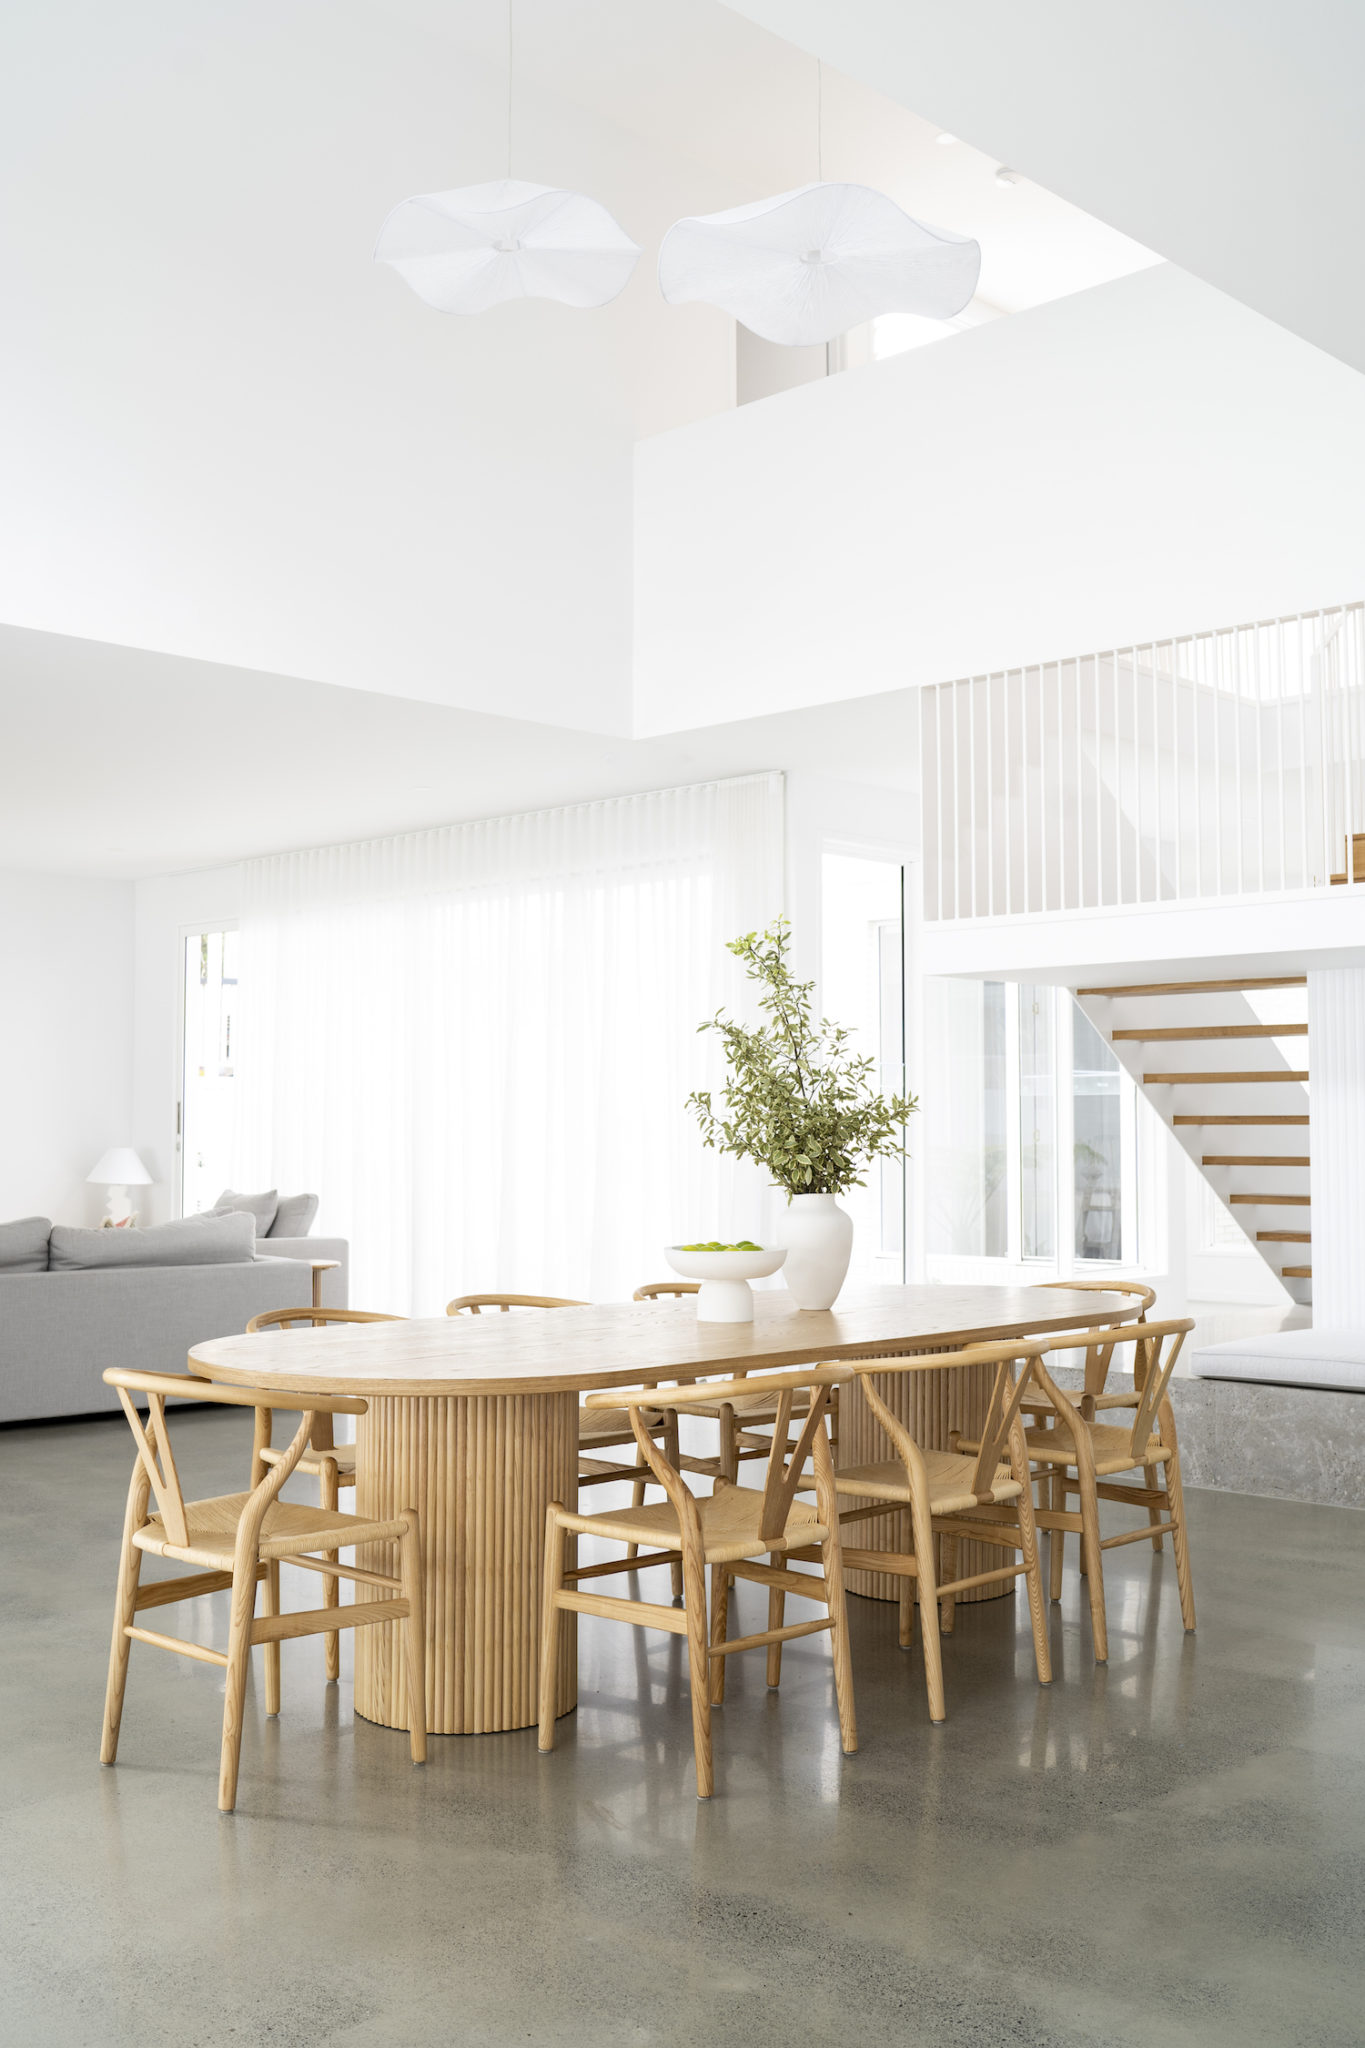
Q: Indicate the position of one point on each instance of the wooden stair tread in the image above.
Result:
(1297, 1272)
(1202, 1080)
(1194, 988)
(1168, 1031)
(1284, 1237)
(1249, 1119)
(1254, 1158)
(1274, 1201)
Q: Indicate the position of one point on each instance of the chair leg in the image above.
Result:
(271, 1605)
(729, 1444)
(125, 1607)
(414, 1634)
(551, 1622)
(720, 1629)
(1154, 1514)
(1054, 1484)
(831, 1564)
(1033, 1585)
(699, 1668)
(905, 1608)
(671, 1453)
(1180, 1542)
(928, 1611)
(1092, 1563)
(777, 1614)
(329, 1493)
(948, 1554)
(234, 1697)
(637, 1500)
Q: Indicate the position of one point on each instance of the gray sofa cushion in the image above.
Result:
(23, 1245)
(262, 1207)
(294, 1217)
(194, 1241)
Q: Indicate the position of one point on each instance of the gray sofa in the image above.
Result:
(60, 1329)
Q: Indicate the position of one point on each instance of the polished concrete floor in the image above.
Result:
(1168, 1851)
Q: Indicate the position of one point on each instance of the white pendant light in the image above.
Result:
(467, 250)
(472, 248)
(807, 265)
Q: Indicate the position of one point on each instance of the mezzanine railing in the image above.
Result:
(1220, 764)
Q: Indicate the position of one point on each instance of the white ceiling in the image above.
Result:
(122, 764)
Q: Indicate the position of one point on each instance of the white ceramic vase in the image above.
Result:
(818, 1235)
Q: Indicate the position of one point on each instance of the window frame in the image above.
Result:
(1064, 1261)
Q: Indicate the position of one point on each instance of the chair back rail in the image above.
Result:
(653, 1290)
(786, 1463)
(316, 1318)
(324, 1436)
(1156, 1349)
(998, 1429)
(1133, 1290)
(475, 1304)
(156, 1458)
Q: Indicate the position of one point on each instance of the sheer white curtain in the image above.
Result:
(475, 1043)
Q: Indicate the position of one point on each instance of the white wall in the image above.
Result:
(1336, 1034)
(1143, 459)
(165, 909)
(65, 1041)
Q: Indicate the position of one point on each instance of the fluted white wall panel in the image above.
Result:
(1336, 1038)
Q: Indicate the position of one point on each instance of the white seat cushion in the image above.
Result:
(1333, 1359)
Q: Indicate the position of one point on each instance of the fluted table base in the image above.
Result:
(929, 1404)
(480, 1470)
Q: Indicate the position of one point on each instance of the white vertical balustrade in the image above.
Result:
(1214, 765)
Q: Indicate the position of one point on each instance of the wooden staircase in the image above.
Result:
(1258, 1163)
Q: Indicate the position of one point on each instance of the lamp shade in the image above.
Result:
(808, 265)
(470, 249)
(120, 1168)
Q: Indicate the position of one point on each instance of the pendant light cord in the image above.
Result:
(819, 118)
(509, 88)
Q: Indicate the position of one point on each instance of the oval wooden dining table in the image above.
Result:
(473, 1421)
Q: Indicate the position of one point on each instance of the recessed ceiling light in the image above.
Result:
(945, 141)
(1005, 176)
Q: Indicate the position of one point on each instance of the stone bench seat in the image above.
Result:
(1332, 1361)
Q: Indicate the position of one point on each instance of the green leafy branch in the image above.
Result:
(796, 1100)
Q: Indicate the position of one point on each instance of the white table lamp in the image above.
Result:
(119, 1170)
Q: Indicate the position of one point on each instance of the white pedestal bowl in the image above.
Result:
(725, 1295)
